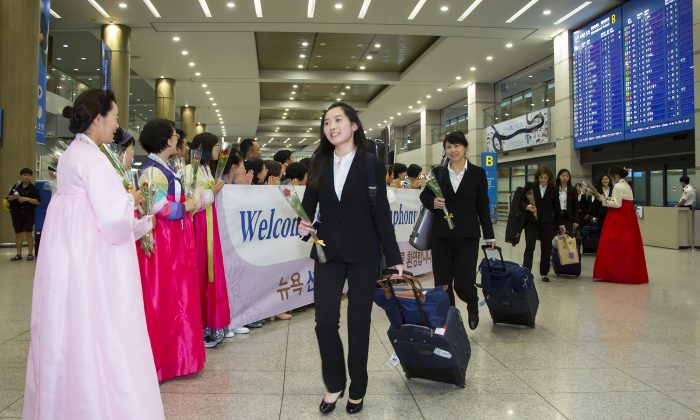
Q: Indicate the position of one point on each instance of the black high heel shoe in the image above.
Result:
(353, 408)
(327, 407)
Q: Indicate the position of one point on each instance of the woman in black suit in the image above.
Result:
(568, 201)
(599, 211)
(455, 251)
(354, 230)
(542, 220)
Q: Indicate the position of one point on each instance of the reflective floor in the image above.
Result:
(599, 351)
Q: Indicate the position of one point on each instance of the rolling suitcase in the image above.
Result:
(591, 237)
(438, 353)
(560, 269)
(509, 291)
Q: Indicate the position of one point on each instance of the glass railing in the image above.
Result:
(520, 104)
(65, 85)
(438, 134)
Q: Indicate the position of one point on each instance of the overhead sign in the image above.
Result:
(524, 131)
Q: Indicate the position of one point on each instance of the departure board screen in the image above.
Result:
(597, 81)
(658, 51)
(633, 73)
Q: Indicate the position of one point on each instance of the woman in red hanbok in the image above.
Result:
(169, 275)
(211, 276)
(620, 257)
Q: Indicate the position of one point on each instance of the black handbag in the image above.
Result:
(422, 230)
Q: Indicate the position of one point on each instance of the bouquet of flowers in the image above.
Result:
(432, 183)
(589, 189)
(177, 164)
(195, 157)
(148, 190)
(115, 155)
(292, 198)
(221, 163)
(531, 198)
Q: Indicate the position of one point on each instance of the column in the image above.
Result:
(479, 97)
(187, 118)
(19, 51)
(165, 98)
(561, 117)
(696, 79)
(118, 39)
(200, 128)
(429, 121)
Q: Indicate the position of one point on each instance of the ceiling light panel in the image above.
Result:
(469, 10)
(99, 8)
(310, 8)
(152, 8)
(416, 9)
(521, 11)
(54, 14)
(573, 12)
(205, 8)
(363, 9)
(258, 8)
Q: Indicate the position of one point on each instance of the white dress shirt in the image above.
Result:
(563, 194)
(456, 178)
(688, 195)
(341, 167)
(543, 189)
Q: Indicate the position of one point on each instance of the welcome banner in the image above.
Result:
(268, 269)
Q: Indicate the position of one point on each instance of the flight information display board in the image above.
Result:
(633, 73)
(597, 81)
(658, 67)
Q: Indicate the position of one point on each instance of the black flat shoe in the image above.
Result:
(327, 407)
(352, 408)
(473, 320)
(545, 279)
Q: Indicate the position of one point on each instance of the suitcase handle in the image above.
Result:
(389, 292)
(488, 260)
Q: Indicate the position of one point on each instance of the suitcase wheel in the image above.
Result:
(463, 385)
(408, 376)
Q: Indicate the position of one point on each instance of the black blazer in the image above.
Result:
(469, 205)
(597, 209)
(548, 208)
(571, 204)
(352, 229)
(516, 217)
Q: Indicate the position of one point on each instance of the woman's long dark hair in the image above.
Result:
(256, 165)
(558, 182)
(206, 141)
(323, 154)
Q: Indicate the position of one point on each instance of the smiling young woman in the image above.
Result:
(355, 232)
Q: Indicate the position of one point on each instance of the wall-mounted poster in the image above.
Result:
(524, 131)
(44, 19)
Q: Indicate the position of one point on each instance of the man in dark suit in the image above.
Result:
(455, 251)
(542, 220)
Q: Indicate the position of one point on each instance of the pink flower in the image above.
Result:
(286, 192)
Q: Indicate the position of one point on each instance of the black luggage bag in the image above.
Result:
(564, 270)
(508, 302)
(438, 353)
(591, 237)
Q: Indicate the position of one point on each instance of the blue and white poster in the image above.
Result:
(106, 70)
(488, 162)
(44, 20)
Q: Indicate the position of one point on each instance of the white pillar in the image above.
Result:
(479, 97)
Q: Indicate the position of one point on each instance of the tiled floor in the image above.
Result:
(600, 351)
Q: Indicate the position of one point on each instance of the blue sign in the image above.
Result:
(106, 70)
(44, 20)
(489, 163)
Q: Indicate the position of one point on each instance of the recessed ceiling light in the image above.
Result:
(347, 86)
(176, 39)
(162, 77)
(391, 118)
(342, 93)
(489, 58)
(184, 52)
(323, 44)
(509, 45)
(211, 99)
(208, 92)
(410, 107)
(122, 5)
(369, 57)
(530, 76)
(458, 77)
(59, 58)
(230, 5)
(337, 99)
(300, 66)
(214, 104)
(444, 8)
(377, 45)
(291, 98)
(398, 113)
(472, 68)
(385, 121)
(419, 102)
(547, 12)
(302, 55)
(304, 44)
(198, 74)
(439, 89)
(362, 67)
(83, 58)
(75, 69)
(204, 85)
(286, 109)
(428, 96)
(294, 92)
(65, 45)
(284, 117)
(338, 6)
(191, 64)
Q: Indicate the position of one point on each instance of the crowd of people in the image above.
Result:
(149, 314)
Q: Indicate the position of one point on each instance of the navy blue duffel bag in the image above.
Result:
(499, 276)
(418, 306)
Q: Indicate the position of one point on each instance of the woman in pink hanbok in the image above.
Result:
(168, 275)
(216, 315)
(89, 356)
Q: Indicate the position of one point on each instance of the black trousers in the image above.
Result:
(454, 265)
(329, 279)
(545, 233)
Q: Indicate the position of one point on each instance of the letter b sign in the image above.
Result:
(489, 160)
